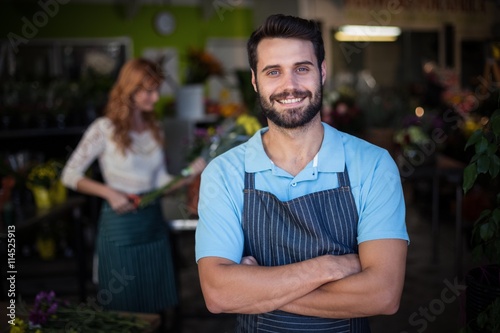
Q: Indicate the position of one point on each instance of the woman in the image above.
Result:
(135, 267)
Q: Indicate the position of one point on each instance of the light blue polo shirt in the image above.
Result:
(374, 177)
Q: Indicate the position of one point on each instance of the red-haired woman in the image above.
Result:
(135, 267)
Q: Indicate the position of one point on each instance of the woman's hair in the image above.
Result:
(282, 26)
(135, 75)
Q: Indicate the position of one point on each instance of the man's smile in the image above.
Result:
(290, 100)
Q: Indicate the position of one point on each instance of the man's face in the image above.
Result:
(288, 81)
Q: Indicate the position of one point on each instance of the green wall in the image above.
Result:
(77, 20)
(93, 20)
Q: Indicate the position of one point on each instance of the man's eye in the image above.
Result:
(303, 69)
(272, 73)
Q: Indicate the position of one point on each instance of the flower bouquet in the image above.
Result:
(229, 134)
(44, 182)
(201, 65)
(50, 315)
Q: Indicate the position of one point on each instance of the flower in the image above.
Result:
(201, 65)
(42, 175)
(209, 143)
(50, 314)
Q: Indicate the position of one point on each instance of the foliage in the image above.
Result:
(341, 111)
(50, 315)
(486, 161)
(42, 175)
(214, 140)
(486, 229)
(210, 143)
(201, 65)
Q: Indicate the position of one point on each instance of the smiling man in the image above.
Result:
(302, 228)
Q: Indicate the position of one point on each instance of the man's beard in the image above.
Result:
(296, 117)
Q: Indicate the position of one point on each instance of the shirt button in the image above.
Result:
(294, 184)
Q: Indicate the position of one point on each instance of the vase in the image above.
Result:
(41, 196)
(190, 102)
(58, 193)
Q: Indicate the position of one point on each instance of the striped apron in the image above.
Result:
(136, 269)
(281, 233)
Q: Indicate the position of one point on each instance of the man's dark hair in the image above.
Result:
(283, 26)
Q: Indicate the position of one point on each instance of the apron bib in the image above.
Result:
(281, 233)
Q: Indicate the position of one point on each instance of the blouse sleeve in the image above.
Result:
(90, 146)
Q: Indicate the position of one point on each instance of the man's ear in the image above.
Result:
(254, 81)
(323, 71)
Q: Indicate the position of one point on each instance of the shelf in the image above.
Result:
(31, 133)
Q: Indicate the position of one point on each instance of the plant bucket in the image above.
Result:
(483, 287)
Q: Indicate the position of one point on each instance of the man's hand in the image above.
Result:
(345, 265)
(251, 261)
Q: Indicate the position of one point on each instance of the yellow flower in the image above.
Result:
(249, 123)
(19, 326)
(471, 126)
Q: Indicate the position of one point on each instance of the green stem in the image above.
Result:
(152, 196)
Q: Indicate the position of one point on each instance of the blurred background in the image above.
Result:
(419, 89)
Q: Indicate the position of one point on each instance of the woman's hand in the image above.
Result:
(119, 202)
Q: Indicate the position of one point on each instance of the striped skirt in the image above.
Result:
(135, 265)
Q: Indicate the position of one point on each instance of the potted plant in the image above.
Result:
(190, 98)
(483, 282)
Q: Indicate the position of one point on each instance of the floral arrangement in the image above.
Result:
(414, 140)
(201, 65)
(43, 175)
(341, 111)
(50, 315)
(411, 136)
(44, 181)
(210, 143)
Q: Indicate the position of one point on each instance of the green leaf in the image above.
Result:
(483, 164)
(474, 138)
(496, 215)
(485, 213)
(495, 122)
(487, 231)
(494, 166)
(477, 253)
(470, 175)
(492, 148)
(482, 145)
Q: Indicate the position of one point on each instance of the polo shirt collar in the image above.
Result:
(331, 156)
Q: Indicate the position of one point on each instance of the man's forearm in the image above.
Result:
(375, 290)
(249, 288)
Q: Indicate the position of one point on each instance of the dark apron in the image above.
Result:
(281, 233)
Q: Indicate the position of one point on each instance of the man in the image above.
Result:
(302, 228)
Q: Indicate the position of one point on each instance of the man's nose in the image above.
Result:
(289, 81)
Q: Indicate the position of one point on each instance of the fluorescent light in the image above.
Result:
(367, 33)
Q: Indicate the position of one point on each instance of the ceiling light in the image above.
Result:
(367, 33)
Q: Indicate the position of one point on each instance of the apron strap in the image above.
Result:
(249, 181)
(343, 178)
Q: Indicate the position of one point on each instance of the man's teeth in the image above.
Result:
(290, 101)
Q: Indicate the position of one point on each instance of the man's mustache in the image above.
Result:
(293, 93)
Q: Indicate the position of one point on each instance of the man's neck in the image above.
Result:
(293, 149)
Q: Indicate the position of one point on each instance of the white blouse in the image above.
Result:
(141, 169)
